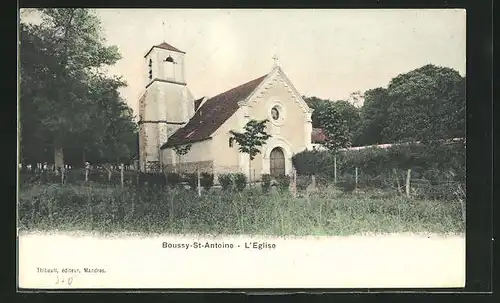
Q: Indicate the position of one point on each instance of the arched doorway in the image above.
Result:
(277, 162)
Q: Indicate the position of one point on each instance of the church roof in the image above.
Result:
(197, 103)
(212, 114)
(166, 46)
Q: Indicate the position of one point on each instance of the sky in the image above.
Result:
(328, 53)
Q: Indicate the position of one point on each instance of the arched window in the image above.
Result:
(169, 59)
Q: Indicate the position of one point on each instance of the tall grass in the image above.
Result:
(178, 211)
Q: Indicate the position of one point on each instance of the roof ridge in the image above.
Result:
(238, 86)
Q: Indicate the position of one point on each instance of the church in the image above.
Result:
(170, 118)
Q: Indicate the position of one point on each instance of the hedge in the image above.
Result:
(431, 165)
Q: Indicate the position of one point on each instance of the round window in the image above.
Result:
(275, 113)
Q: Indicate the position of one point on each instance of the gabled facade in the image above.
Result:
(271, 97)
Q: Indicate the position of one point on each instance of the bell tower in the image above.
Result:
(166, 104)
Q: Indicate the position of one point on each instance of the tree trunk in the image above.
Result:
(335, 169)
(58, 154)
(408, 177)
(250, 171)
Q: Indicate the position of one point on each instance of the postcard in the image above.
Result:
(241, 149)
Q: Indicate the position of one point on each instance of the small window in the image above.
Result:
(169, 59)
(150, 73)
(275, 114)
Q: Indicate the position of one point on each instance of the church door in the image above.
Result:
(277, 162)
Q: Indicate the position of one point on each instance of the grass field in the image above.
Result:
(96, 208)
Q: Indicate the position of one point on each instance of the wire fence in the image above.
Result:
(400, 182)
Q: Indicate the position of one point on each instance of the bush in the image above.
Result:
(347, 184)
(192, 180)
(266, 182)
(226, 181)
(283, 182)
(145, 179)
(303, 182)
(173, 179)
(309, 162)
(207, 180)
(240, 180)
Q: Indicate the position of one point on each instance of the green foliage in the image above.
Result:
(225, 181)
(173, 179)
(302, 182)
(66, 101)
(309, 162)
(430, 164)
(266, 182)
(351, 115)
(240, 181)
(426, 104)
(317, 105)
(207, 180)
(283, 182)
(157, 180)
(373, 119)
(347, 112)
(104, 209)
(252, 138)
(182, 150)
(192, 180)
(334, 127)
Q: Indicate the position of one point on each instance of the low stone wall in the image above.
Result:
(191, 167)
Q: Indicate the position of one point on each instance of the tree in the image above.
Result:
(58, 58)
(182, 150)
(251, 139)
(350, 114)
(335, 128)
(316, 104)
(426, 104)
(112, 134)
(373, 118)
(356, 99)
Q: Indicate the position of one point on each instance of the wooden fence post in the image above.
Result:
(356, 176)
(335, 169)
(408, 176)
(199, 185)
(397, 180)
(122, 168)
(293, 187)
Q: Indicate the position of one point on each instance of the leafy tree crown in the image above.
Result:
(252, 137)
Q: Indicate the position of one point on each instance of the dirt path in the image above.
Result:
(132, 261)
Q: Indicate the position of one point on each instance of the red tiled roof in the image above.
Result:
(317, 135)
(166, 46)
(212, 114)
